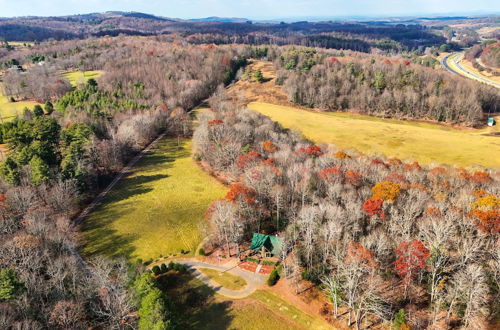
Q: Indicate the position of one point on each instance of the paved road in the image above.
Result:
(451, 62)
(253, 280)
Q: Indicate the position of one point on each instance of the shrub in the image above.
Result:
(156, 270)
(171, 265)
(274, 276)
(252, 260)
(202, 252)
(163, 268)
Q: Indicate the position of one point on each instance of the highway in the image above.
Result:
(451, 62)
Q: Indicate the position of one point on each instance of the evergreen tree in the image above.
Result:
(10, 286)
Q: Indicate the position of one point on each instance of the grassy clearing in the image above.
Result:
(277, 304)
(199, 308)
(157, 210)
(78, 77)
(228, 281)
(9, 110)
(424, 142)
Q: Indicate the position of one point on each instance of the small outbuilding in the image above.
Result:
(267, 245)
(491, 121)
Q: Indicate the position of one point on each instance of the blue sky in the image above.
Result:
(253, 9)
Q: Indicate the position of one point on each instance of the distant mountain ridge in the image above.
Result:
(220, 19)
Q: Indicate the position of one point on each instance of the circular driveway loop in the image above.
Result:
(253, 280)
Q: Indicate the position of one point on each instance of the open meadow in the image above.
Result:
(424, 142)
(9, 110)
(156, 210)
(78, 77)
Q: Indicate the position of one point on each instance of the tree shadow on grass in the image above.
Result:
(163, 156)
(100, 237)
(194, 303)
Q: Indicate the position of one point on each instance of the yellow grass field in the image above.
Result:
(78, 77)
(156, 210)
(424, 142)
(9, 110)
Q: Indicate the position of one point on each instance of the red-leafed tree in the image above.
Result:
(411, 258)
(373, 206)
(251, 157)
(378, 162)
(214, 122)
(330, 174)
(314, 151)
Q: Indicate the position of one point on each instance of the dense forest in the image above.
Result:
(340, 35)
(380, 86)
(378, 235)
(61, 153)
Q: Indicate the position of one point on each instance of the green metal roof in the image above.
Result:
(277, 243)
(271, 243)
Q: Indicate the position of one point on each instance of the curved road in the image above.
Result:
(253, 280)
(451, 62)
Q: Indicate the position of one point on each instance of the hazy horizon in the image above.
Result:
(256, 9)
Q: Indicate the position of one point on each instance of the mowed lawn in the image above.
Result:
(423, 142)
(156, 210)
(202, 309)
(229, 281)
(9, 110)
(79, 77)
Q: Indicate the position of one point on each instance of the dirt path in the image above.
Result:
(253, 280)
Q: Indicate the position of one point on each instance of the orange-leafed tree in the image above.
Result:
(314, 151)
(386, 191)
(341, 155)
(330, 174)
(353, 178)
(357, 253)
(480, 177)
(268, 146)
(240, 192)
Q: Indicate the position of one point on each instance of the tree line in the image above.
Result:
(388, 87)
